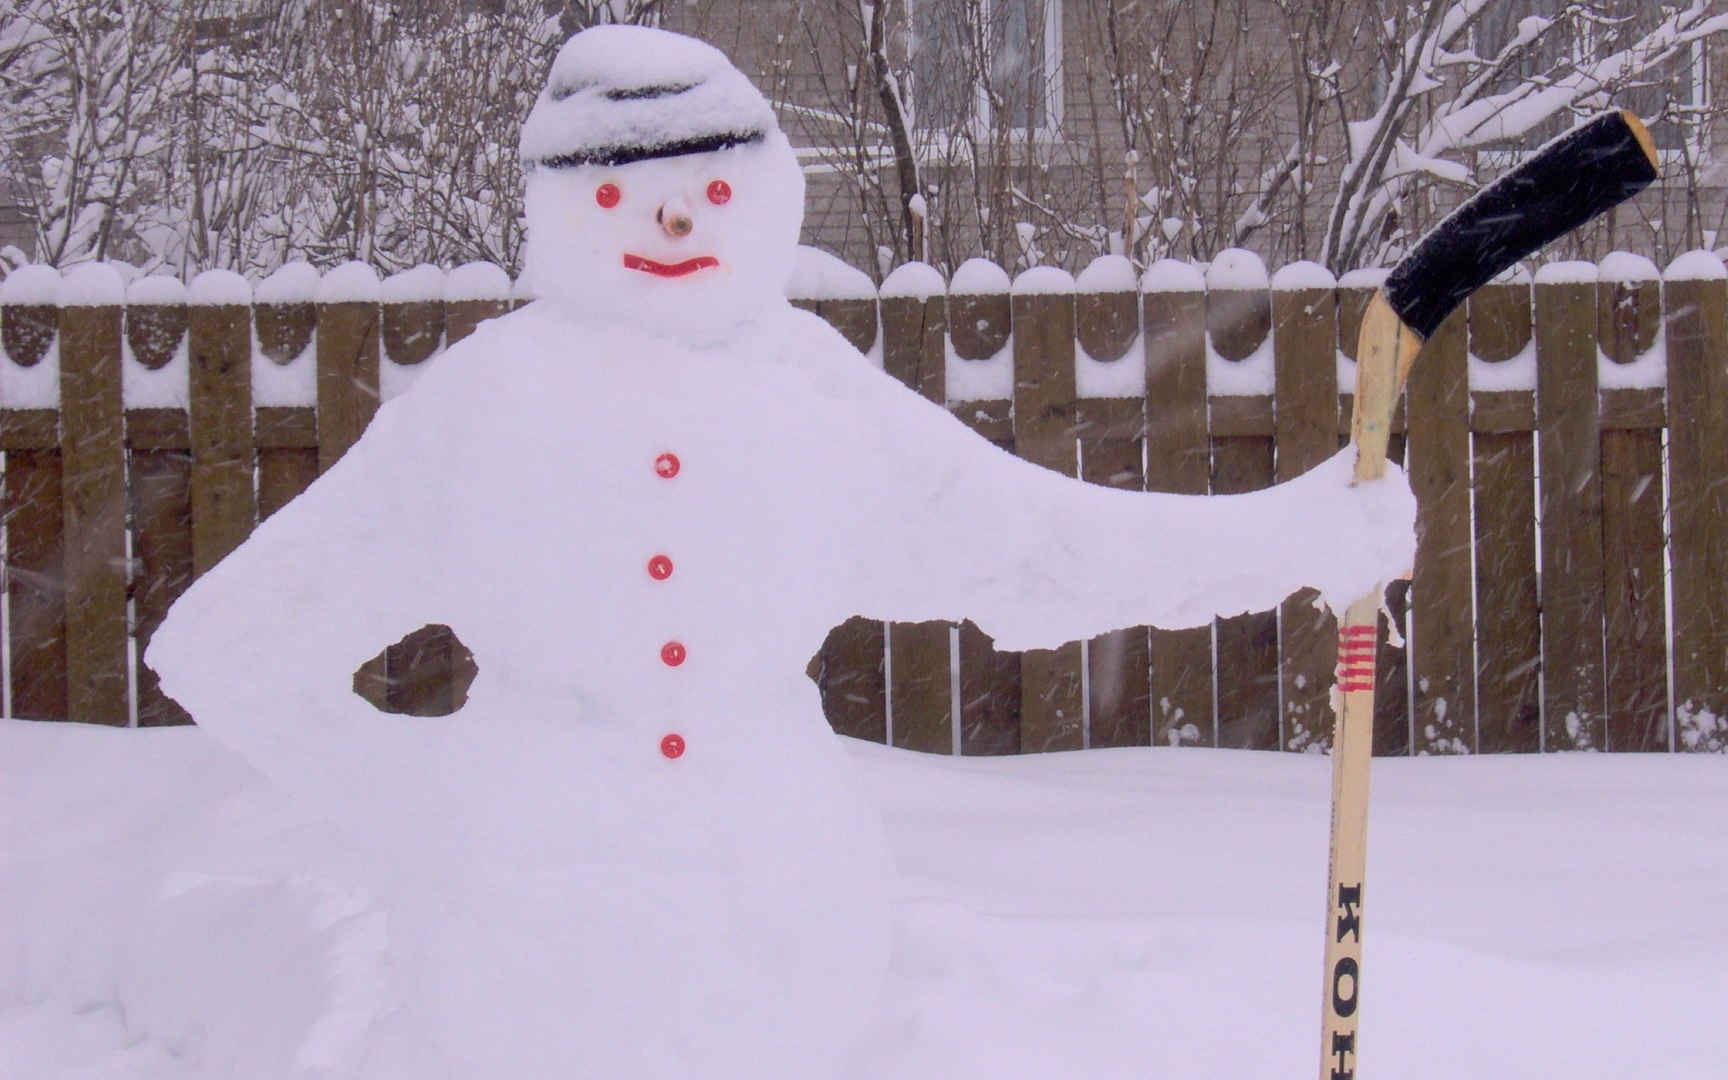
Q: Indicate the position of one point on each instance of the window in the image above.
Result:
(990, 63)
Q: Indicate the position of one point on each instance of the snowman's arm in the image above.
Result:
(1035, 558)
(263, 648)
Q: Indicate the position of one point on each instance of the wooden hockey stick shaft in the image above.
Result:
(1572, 179)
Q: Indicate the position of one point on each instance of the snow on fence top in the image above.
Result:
(477, 281)
(215, 288)
(292, 283)
(1238, 332)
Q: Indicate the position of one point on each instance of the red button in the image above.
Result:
(672, 746)
(672, 653)
(659, 568)
(666, 466)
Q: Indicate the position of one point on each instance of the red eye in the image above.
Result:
(719, 191)
(607, 195)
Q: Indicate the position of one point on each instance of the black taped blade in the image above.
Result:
(1561, 186)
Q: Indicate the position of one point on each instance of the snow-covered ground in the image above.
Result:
(1121, 913)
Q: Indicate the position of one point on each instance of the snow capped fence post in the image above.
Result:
(1503, 420)
(1391, 661)
(1569, 451)
(284, 383)
(1305, 426)
(158, 445)
(1111, 416)
(1239, 383)
(348, 388)
(920, 684)
(1628, 324)
(1178, 460)
(1052, 709)
(93, 448)
(34, 504)
(1438, 399)
(1697, 336)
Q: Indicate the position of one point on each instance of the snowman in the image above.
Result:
(641, 502)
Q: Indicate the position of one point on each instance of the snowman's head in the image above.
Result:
(660, 189)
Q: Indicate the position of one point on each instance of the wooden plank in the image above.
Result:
(29, 429)
(421, 670)
(1569, 450)
(1634, 612)
(1442, 630)
(287, 455)
(287, 437)
(348, 349)
(1246, 416)
(27, 330)
(1304, 337)
(1503, 412)
(1697, 336)
(847, 670)
(411, 331)
(1247, 644)
(1052, 704)
(920, 689)
(1508, 628)
(158, 429)
(461, 317)
(1508, 618)
(162, 550)
(1119, 664)
(1628, 317)
(1237, 324)
(154, 331)
(854, 318)
(93, 454)
(223, 507)
(989, 679)
(1178, 459)
(36, 583)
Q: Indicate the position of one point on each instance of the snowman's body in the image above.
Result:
(642, 502)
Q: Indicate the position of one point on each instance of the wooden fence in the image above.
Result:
(1575, 425)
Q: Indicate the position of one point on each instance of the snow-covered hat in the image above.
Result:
(618, 94)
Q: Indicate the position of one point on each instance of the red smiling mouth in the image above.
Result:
(688, 266)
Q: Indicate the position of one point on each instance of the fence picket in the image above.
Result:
(93, 454)
(35, 593)
(1443, 655)
(1569, 449)
(1305, 418)
(1508, 619)
(1118, 664)
(1697, 335)
(162, 539)
(1052, 707)
(1628, 315)
(1178, 461)
(348, 375)
(286, 435)
(979, 327)
(1238, 322)
(914, 334)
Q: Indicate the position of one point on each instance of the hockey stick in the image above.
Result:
(1558, 188)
